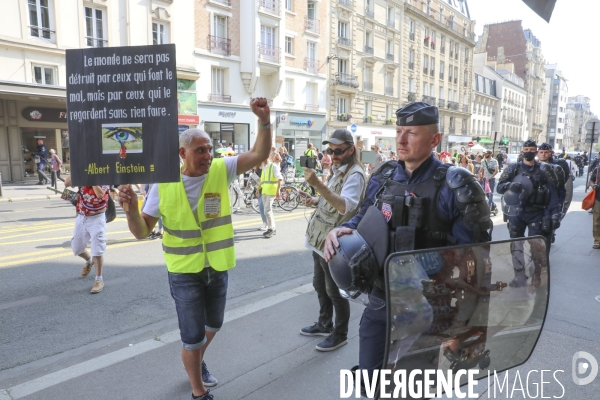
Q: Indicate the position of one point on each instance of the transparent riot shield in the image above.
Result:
(479, 307)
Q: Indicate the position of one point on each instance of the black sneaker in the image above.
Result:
(332, 342)
(316, 330)
(205, 396)
(152, 236)
(269, 233)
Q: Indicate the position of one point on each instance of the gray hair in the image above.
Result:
(186, 137)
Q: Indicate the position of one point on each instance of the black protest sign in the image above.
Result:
(122, 115)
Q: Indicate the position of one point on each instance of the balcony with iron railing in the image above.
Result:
(346, 3)
(391, 24)
(311, 25)
(455, 80)
(442, 50)
(346, 80)
(95, 42)
(45, 34)
(344, 41)
(425, 70)
(463, 131)
(426, 42)
(411, 65)
(389, 90)
(389, 57)
(441, 103)
(368, 86)
(369, 50)
(429, 100)
(218, 45)
(270, 6)
(456, 55)
(432, 72)
(311, 107)
(450, 78)
(441, 75)
(269, 53)
(411, 35)
(451, 131)
(311, 65)
(223, 98)
(222, 2)
(344, 117)
(452, 105)
(432, 45)
(465, 108)
(412, 96)
(451, 53)
(370, 13)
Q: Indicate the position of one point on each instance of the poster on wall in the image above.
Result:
(122, 115)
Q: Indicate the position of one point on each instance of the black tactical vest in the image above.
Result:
(412, 213)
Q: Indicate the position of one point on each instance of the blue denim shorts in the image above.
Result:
(200, 302)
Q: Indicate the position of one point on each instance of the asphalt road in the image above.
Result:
(45, 304)
(49, 321)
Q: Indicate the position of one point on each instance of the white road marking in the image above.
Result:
(86, 367)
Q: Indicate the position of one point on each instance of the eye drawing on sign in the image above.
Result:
(121, 139)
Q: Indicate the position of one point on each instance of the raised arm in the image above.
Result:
(262, 146)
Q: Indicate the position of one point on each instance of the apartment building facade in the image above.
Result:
(557, 130)
(485, 104)
(34, 35)
(266, 48)
(506, 43)
(363, 69)
(580, 107)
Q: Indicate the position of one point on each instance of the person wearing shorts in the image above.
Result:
(90, 225)
(198, 240)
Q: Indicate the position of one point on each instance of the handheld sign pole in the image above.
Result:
(122, 115)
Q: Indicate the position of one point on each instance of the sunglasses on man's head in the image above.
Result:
(337, 152)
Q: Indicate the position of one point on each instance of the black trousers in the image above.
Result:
(330, 298)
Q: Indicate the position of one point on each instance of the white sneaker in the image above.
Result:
(263, 227)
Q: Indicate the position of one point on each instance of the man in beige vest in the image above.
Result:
(338, 203)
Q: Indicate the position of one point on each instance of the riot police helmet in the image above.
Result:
(516, 196)
(353, 267)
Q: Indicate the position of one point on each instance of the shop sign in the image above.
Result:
(188, 119)
(183, 128)
(186, 84)
(227, 114)
(40, 114)
(302, 122)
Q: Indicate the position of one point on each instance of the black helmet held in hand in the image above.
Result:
(354, 267)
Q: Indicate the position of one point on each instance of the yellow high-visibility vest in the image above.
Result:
(268, 181)
(190, 244)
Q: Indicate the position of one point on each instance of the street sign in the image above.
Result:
(589, 125)
(353, 128)
(470, 144)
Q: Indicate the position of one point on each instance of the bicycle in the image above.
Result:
(248, 195)
(289, 197)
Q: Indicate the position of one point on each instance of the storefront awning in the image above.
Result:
(34, 90)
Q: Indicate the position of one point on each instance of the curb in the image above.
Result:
(32, 198)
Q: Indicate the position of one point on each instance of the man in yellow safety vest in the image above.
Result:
(198, 241)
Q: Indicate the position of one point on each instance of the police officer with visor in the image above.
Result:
(413, 203)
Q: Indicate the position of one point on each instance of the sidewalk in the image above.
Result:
(27, 191)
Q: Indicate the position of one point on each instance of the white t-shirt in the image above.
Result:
(193, 188)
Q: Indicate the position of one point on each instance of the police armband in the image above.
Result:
(470, 199)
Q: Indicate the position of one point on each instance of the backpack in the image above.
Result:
(111, 210)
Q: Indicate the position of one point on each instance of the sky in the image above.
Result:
(569, 40)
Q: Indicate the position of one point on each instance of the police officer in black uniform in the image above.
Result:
(531, 199)
(425, 204)
(561, 168)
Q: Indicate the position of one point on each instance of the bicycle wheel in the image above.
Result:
(289, 196)
(233, 196)
(254, 202)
